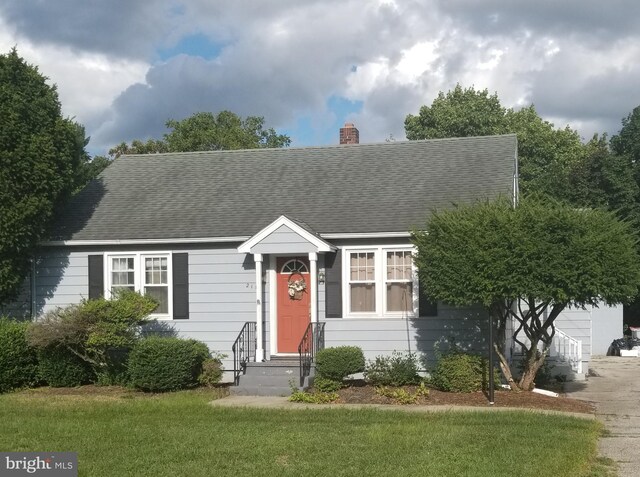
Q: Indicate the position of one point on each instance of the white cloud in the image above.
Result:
(87, 83)
(284, 59)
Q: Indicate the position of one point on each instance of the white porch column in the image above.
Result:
(257, 257)
(313, 261)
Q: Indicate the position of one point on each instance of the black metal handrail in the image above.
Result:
(312, 341)
(244, 349)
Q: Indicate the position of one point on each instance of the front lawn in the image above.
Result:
(179, 434)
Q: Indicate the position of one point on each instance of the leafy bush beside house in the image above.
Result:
(97, 332)
(59, 368)
(212, 370)
(159, 364)
(461, 372)
(399, 369)
(18, 360)
(339, 362)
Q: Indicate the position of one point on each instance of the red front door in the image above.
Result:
(293, 312)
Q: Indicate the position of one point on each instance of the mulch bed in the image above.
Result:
(364, 394)
(361, 393)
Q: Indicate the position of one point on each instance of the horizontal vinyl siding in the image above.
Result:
(606, 326)
(62, 279)
(381, 336)
(577, 324)
(222, 297)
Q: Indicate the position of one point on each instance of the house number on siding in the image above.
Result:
(252, 286)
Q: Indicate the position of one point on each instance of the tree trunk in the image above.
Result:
(500, 317)
(535, 360)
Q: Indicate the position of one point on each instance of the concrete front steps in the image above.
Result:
(270, 378)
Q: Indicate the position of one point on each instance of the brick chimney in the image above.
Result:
(349, 134)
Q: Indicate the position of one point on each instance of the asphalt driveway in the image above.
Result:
(614, 387)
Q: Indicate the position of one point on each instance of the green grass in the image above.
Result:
(179, 434)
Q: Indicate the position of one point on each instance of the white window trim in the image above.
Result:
(380, 282)
(139, 277)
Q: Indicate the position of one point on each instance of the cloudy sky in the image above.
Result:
(124, 67)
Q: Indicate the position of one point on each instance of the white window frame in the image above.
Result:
(139, 281)
(380, 263)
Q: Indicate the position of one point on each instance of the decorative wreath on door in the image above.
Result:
(297, 286)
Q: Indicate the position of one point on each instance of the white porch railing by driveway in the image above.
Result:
(567, 349)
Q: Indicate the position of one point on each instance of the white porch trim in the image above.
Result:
(257, 257)
(313, 271)
(313, 239)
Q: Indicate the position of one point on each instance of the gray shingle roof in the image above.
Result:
(366, 188)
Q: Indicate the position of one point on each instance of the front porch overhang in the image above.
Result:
(284, 236)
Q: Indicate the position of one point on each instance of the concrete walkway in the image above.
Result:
(614, 387)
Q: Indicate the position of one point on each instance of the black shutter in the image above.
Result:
(333, 284)
(426, 306)
(180, 286)
(96, 276)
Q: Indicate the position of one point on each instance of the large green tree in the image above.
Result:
(40, 155)
(627, 141)
(208, 132)
(461, 112)
(545, 153)
(528, 264)
(605, 180)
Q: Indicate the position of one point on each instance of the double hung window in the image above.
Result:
(380, 281)
(147, 273)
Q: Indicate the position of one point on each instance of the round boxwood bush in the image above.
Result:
(462, 373)
(59, 368)
(18, 360)
(339, 362)
(159, 364)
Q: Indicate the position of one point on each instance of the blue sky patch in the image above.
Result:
(325, 131)
(192, 45)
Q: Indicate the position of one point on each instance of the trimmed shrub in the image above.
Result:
(461, 372)
(339, 362)
(326, 385)
(399, 369)
(59, 368)
(159, 364)
(212, 371)
(18, 361)
(99, 331)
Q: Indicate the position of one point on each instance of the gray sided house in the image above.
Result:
(267, 241)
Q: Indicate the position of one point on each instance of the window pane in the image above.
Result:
(155, 270)
(161, 295)
(400, 296)
(362, 266)
(399, 265)
(363, 297)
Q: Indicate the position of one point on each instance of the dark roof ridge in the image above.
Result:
(323, 147)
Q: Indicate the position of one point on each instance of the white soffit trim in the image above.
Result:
(320, 244)
(79, 243)
(366, 235)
